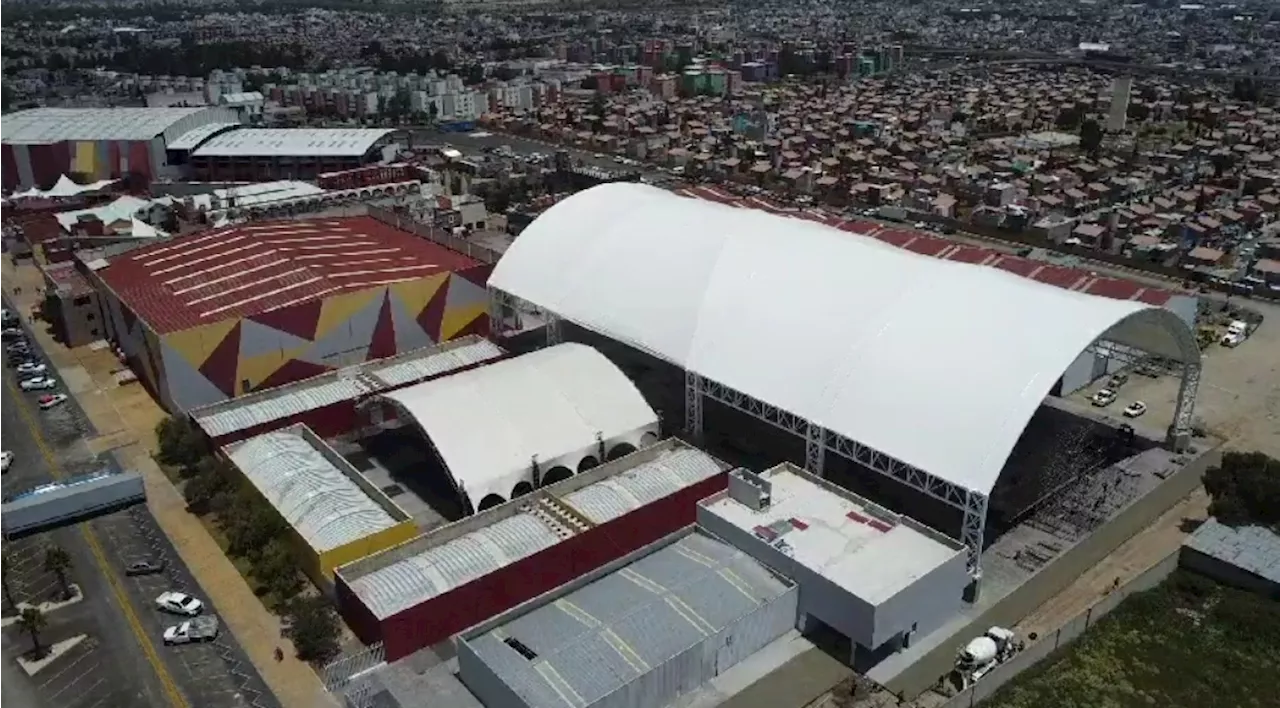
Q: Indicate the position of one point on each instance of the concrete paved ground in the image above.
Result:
(126, 417)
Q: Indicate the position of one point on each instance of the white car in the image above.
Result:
(53, 399)
(179, 604)
(1104, 398)
(6, 459)
(38, 383)
(32, 367)
(1231, 339)
(1135, 409)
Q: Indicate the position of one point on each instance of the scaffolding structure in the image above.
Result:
(505, 309)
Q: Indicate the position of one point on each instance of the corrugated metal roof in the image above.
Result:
(324, 505)
(290, 400)
(631, 489)
(277, 404)
(308, 142)
(595, 639)
(190, 139)
(1251, 548)
(409, 370)
(442, 568)
(52, 125)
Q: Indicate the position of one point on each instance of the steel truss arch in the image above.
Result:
(819, 441)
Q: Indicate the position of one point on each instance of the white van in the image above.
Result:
(1238, 327)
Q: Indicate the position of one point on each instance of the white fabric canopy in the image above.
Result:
(488, 423)
(935, 363)
(64, 187)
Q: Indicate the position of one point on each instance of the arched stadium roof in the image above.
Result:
(555, 404)
(937, 364)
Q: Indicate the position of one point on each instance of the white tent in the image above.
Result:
(63, 188)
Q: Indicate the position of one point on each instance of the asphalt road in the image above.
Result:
(124, 662)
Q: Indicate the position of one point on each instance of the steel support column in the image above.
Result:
(971, 531)
(552, 328)
(815, 448)
(693, 389)
(817, 439)
(497, 313)
(1180, 432)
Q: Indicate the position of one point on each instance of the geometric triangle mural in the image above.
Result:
(303, 340)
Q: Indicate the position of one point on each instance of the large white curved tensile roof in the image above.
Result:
(935, 363)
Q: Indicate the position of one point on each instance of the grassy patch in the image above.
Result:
(1189, 643)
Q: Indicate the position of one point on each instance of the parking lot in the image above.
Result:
(118, 611)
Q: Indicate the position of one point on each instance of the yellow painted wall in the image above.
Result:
(367, 546)
(86, 152)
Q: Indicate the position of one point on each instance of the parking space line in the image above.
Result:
(172, 692)
(68, 667)
(74, 681)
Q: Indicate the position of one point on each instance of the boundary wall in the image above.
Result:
(1054, 577)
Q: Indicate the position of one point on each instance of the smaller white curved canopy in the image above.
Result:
(488, 423)
(935, 363)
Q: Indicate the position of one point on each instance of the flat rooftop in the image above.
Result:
(312, 487)
(247, 270)
(284, 402)
(867, 550)
(583, 645)
(292, 142)
(456, 554)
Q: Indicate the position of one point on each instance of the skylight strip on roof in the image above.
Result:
(305, 298)
(345, 254)
(246, 286)
(246, 301)
(144, 258)
(378, 271)
(225, 278)
(219, 254)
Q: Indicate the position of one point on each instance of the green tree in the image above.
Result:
(1090, 136)
(1245, 490)
(179, 442)
(5, 569)
(209, 481)
(252, 525)
(278, 570)
(315, 630)
(58, 562)
(33, 622)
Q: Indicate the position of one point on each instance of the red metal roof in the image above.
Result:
(1019, 266)
(973, 254)
(895, 237)
(249, 269)
(1114, 288)
(1059, 276)
(1155, 296)
(928, 246)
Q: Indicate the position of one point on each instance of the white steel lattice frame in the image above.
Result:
(818, 441)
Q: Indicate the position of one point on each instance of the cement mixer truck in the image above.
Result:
(983, 654)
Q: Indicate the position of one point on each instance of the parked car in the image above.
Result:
(32, 367)
(179, 603)
(1104, 398)
(50, 400)
(1231, 339)
(1150, 369)
(1117, 380)
(12, 333)
(198, 629)
(145, 567)
(1135, 409)
(6, 459)
(38, 383)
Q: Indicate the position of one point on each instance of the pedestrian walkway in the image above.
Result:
(125, 418)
